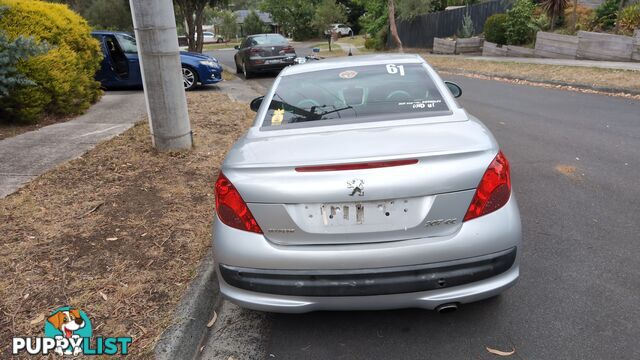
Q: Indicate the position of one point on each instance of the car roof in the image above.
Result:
(107, 32)
(266, 34)
(351, 61)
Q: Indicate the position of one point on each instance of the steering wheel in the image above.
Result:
(405, 95)
(307, 103)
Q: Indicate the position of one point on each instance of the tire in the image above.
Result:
(189, 78)
(219, 41)
(238, 68)
(247, 74)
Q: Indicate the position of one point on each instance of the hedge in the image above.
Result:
(63, 77)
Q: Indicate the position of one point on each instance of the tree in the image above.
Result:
(252, 24)
(229, 24)
(329, 12)
(103, 14)
(109, 14)
(192, 13)
(408, 9)
(392, 25)
(554, 9)
(293, 15)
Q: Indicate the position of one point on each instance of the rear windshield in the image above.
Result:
(270, 39)
(355, 94)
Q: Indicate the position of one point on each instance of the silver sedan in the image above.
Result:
(363, 184)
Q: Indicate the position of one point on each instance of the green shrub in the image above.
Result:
(378, 41)
(518, 29)
(495, 29)
(605, 15)
(629, 19)
(63, 77)
(467, 29)
(12, 53)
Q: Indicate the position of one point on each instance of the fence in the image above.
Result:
(421, 30)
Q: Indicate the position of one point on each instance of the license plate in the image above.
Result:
(371, 213)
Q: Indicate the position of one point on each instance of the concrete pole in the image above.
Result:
(157, 39)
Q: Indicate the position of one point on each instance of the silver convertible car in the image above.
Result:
(363, 184)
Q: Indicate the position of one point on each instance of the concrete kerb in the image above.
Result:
(182, 339)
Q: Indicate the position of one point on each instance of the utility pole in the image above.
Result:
(155, 26)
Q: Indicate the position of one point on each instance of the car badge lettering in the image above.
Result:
(356, 186)
(437, 222)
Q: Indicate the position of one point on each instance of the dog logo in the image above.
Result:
(68, 323)
(356, 186)
(68, 331)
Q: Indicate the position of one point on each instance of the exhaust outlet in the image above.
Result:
(447, 308)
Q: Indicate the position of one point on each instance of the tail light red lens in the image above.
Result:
(289, 49)
(231, 209)
(494, 189)
(254, 51)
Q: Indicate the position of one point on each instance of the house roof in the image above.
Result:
(264, 17)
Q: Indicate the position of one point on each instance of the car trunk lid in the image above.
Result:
(407, 182)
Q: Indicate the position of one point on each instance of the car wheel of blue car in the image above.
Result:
(189, 78)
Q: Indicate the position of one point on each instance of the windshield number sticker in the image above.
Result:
(393, 69)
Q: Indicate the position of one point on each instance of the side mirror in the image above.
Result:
(237, 47)
(255, 103)
(455, 89)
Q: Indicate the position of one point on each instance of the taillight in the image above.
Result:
(231, 209)
(494, 189)
(254, 51)
(289, 49)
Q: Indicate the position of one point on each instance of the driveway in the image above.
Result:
(575, 165)
(26, 156)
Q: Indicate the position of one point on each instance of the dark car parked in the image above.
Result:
(263, 52)
(120, 67)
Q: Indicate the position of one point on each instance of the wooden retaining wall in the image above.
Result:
(444, 46)
(635, 55)
(469, 45)
(599, 46)
(519, 51)
(556, 46)
(492, 49)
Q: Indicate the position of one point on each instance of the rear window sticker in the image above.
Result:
(348, 74)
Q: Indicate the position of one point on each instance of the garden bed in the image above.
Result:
(117, 232)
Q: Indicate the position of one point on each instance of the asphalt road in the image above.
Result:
(575, 161)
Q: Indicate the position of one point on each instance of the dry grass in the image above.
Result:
(207, 47)
(123, 220)
(624, 79)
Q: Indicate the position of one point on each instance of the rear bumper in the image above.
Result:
(459, 259)
(365, 282)
(254, 66)
(429, 300)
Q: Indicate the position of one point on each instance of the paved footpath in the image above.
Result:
(26, 156)
(567, 62)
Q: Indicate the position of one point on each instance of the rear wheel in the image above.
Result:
(189, 78)
(247, 74)
(219, 40)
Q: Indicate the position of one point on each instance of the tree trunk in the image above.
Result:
(392, 25)
(198, 27)
(574, 15)
(553, 21)
(620, 7)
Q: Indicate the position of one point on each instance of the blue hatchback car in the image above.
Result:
(120, 67)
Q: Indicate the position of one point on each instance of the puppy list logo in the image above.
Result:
(68, 331)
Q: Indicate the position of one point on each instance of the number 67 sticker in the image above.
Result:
(393, 69)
